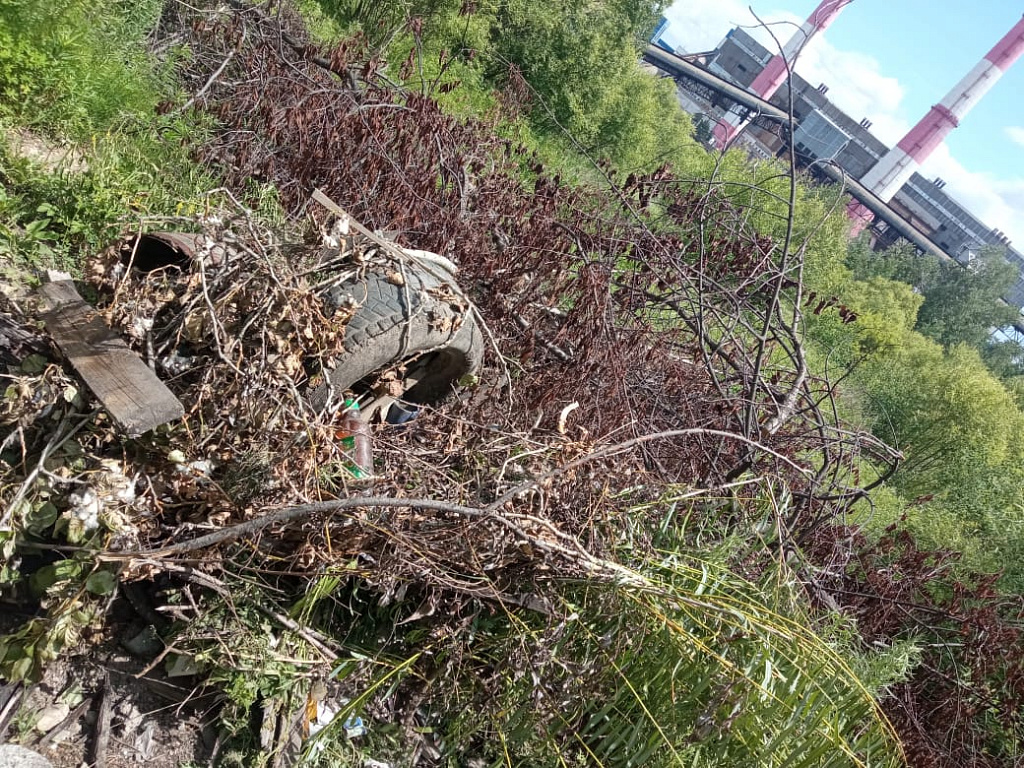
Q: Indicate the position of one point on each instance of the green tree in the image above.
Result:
(703, 131)
(962, 303)
(886, 312)
(575, 55)
(1004, 358)
(1015, 386)
(901, 262)
(642, 126)
(580, 60)
(948, 414)
(965, 303)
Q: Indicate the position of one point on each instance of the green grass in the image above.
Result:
(680, 663)
(77, 75)
(74, 67)
(57, 217)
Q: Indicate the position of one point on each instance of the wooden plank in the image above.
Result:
(132, 394)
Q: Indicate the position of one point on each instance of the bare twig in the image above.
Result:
(103, 719)
(209, 83)
(60, 437)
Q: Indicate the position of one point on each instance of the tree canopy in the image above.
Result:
(962, 303)
(579, 60)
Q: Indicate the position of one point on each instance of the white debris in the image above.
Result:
(325, 714)
(85, 509)
(339, 230)
(200, 468)
(175, 364)
(432, 258)
(110, 488)
(141, 326)
(13, 756)
(119, 487)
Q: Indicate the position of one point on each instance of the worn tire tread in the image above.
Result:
(374, 333)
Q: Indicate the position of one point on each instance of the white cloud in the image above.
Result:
(1015, 134)
(858, 86)
(700, 25)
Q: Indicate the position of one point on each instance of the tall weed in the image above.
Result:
(75, 67)
(77, 73)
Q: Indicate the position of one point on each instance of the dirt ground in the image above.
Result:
(112, 701)
(52, 157)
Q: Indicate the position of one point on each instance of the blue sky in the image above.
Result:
(889, 61)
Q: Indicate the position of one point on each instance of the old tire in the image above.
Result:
(422, 323)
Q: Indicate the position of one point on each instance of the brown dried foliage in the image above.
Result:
(684, 321)
(963, 705)
(649, 328)
(679, 322)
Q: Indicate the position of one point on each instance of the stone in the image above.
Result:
(146, 644)
(13, 756)
(52, 716)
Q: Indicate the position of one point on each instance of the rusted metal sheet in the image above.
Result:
(157, 250)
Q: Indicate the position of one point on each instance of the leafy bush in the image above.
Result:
(962, 304)
(578, 64)
(75, 74)
(55, 217)
(75, 67)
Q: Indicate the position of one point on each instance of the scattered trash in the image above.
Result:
(355, 438)
(181, 665)
(144, 741)
(354, 727)
(160, 250)
(109, 488)
(325, 714)
(400, 413)
(85, 509)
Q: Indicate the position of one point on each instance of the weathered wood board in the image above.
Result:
(129, 390)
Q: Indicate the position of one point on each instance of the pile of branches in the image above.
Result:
(678, 335)
(242, 330)
(644, 342)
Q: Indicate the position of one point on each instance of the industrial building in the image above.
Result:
(908, 205)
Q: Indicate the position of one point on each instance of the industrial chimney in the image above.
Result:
(893, 170)
(774, 74)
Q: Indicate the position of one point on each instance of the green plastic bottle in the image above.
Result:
(355, 439)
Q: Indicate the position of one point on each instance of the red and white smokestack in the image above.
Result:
(774, 74)
(896, 167)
